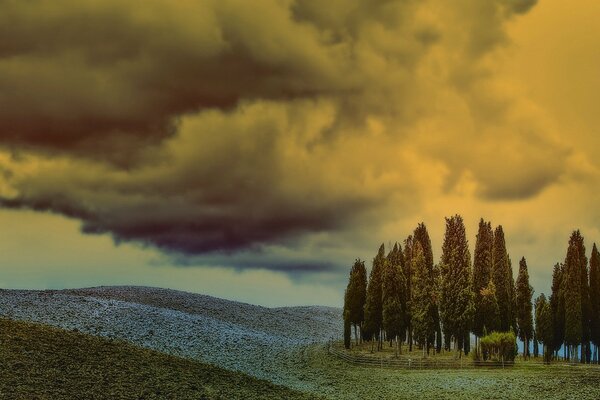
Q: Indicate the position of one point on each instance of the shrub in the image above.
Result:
(500, 346)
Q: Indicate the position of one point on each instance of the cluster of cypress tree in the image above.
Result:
(409, 298)
(570, 319)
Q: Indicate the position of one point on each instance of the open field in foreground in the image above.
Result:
(286, 346)
(342, 380)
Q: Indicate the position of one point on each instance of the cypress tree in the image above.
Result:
(438, 323)
(585, 297)
(524, 306)
(393, 292)
(482, 270)
(512, 295)
(373, 304)
(501, 276)
(423, 301)
(347, 334)
(573, 300)
(355, 297)
(421, 236)
(557, 307)
(408, 254)
(544, 329)
(456, 302)
(595, 300)
(489, 309)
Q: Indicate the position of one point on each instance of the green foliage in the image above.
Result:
(482, 270)
(584, 295)
(40, 362)
(423, 301)
(394, 295)
(512, 295)
(501, 276)
(356, 293)
(456, 301)
(489, 308)
(373, 305)
(557, 306)
(408, 251)
(421, 235)
(573, 300)
(544, 329)
(524, 306)
(347, 331)
(595, 296)
(500, 346)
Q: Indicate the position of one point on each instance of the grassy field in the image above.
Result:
(40, 362)
(340, 380)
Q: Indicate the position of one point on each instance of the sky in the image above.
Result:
(252, 151)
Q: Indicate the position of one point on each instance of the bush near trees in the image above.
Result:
(409, 299)
(499, 346)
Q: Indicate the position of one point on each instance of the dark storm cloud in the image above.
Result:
(92, 76)
(221, 126)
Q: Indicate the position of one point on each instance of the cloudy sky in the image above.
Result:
(253, 150)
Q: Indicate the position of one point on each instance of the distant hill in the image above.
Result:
(38, 361)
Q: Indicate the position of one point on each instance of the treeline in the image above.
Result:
(409, 299)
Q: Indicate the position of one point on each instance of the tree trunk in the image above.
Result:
(410, 341)
(355, 335)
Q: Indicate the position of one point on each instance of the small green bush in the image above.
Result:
(499, 346)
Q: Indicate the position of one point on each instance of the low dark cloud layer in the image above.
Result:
(227, 126)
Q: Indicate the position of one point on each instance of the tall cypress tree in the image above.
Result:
(557, 307)
(408, 255)
(373, 304)
(482, 270)
(355, 297)
(423, 302)
(489, 309)
(524, 306)
(573, 301)
(544, 330)
(347, 335)
(456, 302)
(595, 300)
(501, 276)
(585, 296)
(512, 293)
(393, 292)
(421, 236)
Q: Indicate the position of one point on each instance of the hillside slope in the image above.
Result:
(41, 362)
(262, 342)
